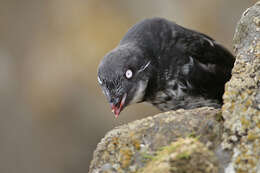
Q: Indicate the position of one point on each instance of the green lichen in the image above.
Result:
(184, 155)
(147, 156)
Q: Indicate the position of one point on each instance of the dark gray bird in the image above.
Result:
(167, 65)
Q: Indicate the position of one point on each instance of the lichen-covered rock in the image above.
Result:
(241, 108)
(184, 155)
(128, 148)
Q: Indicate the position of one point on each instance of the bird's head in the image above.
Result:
(123, 75)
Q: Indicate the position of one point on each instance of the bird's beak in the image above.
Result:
(117, 108)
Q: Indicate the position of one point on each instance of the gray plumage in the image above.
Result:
(167, 65)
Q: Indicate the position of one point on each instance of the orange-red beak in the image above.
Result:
(116, 109)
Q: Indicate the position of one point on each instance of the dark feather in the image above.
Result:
(186, 68)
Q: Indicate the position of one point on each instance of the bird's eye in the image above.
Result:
(99, 80)
(129, 74)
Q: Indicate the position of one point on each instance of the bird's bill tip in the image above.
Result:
(116, 116)
(117, 109)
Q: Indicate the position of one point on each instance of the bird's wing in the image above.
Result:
(208, 53)
(212, 62)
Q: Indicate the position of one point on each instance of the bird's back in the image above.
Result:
(192, 68)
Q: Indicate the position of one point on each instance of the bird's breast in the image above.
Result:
(177, 95)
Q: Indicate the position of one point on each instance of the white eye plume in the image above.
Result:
(99, 80)
(128, 74)
(144, 67)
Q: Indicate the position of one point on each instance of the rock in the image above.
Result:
(241, 109)
(184, 155)
(129, 147)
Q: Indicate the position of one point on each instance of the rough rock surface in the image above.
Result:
(185, 155)
(241, 109)
(128, 148)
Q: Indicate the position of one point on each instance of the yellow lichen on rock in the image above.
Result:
(125, 156)
(243, 93)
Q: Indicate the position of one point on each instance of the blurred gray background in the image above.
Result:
(53, 112)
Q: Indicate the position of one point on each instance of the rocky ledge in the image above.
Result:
(201, 140)
(241, 109)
